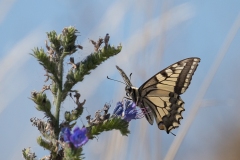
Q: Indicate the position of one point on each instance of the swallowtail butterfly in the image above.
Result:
(160, 95)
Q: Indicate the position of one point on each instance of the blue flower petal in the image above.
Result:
(66, 133)
(128, 104)
(77, 138)
(118, 110)
(130, 111)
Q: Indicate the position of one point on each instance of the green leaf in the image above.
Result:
(55, 41)
(73, 153)
(110, 124)
(43, 104)
(90, 63)
(68, 40)
(28, 155)
(45, 144)
(45, 61)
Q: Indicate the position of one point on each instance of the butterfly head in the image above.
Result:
(128, 90)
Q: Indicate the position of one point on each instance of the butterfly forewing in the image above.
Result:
(175, 78)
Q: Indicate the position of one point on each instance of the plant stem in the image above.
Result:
(59, 96)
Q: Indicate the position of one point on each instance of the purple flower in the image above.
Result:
(78, 138)
(131, 112)
(118, 110)
(66, 133)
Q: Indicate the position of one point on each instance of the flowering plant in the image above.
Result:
(59, 138)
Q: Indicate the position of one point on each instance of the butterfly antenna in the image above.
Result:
(130, 76)
(115, 80)
(87, 110)
(173, 134)
(81, 121)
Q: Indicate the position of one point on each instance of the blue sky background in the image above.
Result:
(154, 34)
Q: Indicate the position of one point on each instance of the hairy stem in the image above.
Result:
(59, 96)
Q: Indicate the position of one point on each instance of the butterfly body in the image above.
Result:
(133, 93)
(160, 95)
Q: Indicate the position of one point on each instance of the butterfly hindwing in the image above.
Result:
(148, 112)
(166, 109)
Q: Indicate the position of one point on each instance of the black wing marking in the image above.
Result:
(175, 78)
(125, 78)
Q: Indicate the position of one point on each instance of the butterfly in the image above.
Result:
(160, 95)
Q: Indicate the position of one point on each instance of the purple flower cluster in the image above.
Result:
(130, 112)
(78, 138)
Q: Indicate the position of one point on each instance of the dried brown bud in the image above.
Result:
(79, 46)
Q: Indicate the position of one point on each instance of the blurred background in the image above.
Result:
(154, 34)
